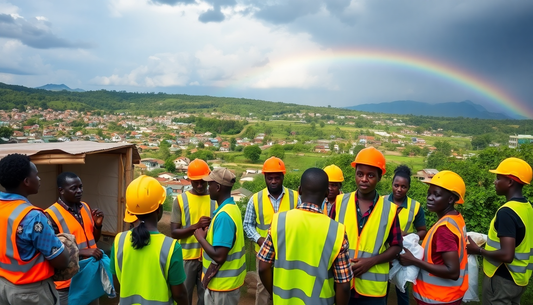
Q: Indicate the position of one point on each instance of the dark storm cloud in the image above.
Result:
(287, 11)
(212, 15)
(36, 35)
(15, 71)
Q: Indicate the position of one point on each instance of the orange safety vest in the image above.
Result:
(66, 223)
(12, 267)
(435, 290)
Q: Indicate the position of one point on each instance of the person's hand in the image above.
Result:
(260, 241)
(203, 222)
(361, 265)
(98, 217)
(93, 252)
(407, 259)
(472, 247)
(200, 233)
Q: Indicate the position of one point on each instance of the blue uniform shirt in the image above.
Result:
(223, 227)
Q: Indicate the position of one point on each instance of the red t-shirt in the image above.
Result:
(443, 241)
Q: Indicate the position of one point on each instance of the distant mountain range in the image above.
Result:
(465, 109)
(55, 87)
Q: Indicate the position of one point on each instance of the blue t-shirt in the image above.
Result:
(224, 230)
(35, 233)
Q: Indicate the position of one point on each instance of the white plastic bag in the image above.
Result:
(400, 275)
(471, 294)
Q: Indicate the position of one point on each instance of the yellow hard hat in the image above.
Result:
(129, 217)
(450, 181)
(144, 195)
(334, 173)
(515, 167)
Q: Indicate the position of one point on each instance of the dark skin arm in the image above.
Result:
(179, 293)
(93, 252)
(218, 254)
(178, 232)
(362, 265)
(266, 275)
(421, 232)
(61, 261)
(342, 293)
(450, 270)
(116, 284)
(504, 255)
(98, 218)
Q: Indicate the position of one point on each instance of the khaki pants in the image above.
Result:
(63, 297)
(262, 297)
(40, 293)
(222, 297)
(500, 291)
(193, 271)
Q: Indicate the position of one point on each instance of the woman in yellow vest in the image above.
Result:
(507, 257)
(410, 213)
(148, 266)
(443, 277)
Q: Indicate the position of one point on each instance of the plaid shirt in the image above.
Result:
(342, 273)
(74, 212)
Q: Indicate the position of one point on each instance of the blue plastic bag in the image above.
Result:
(92, 281)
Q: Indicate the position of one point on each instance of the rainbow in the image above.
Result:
(417, 63)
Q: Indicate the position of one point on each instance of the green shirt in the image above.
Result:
(176, 273)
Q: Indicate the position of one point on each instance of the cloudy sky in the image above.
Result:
(316, 52)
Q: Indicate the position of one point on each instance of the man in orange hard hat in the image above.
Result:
(507, 256)
(193, 210)
(371, 223)
(262, 207)
(335, 180)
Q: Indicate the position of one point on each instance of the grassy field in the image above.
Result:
(416, 163)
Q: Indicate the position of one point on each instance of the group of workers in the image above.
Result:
(316, 245)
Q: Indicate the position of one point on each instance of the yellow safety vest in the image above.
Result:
(406, 216)
(231, 274)
(370, 243)
(522, 265)
(264, 209)
(192, 208)
(143, 273)
(303, 266)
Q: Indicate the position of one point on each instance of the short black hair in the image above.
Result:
(314, 185)
(403, 171)
(14, 168)
(62, 178)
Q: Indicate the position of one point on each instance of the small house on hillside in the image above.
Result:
(241, 193)
(426, 173)
(182, 163)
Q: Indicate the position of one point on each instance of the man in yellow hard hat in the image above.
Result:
(261, 208)
(224, 260)
(335, 179)
(507, 256)
(371, 224)
(192, 210)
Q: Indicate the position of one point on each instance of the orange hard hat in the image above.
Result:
(274, 165)
(334, 173)
(198, 169)
(370, 156)
(515, 167)
(450, 181)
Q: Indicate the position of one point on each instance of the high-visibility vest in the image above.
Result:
(143, 273)
(192, 208)
(264, 210)
(231, 274)
(12, 267)
(370, 243)
(303, 266)
(522, 265)
(66, 223)
(406, 216)
(435, 290)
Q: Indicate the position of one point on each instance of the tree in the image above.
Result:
(6, 132)
(232, 144)
(201, 145)
(437, 160)
(169, 165)
(481, 141)
(443, 147)
(276, 151)
(322, 124)
(252, 153)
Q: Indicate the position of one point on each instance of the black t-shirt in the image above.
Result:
(509, 224)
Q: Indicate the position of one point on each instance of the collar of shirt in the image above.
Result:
(404, 202)
(230, 200)
(67, 207)
(280, 195)
(519, 199)
(309, 207)
(11, 197)
(370, 208)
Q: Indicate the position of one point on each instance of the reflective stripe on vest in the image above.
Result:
(59, 213)
(260, 199)
(12, 268)
(521, 268)
(411, 211)
(370, 242)
(190, 245)
(134, 291)
(320, 275)
(435, 290)
(231, 274)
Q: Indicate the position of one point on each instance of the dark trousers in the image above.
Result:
(403, 297)
(362, 300)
